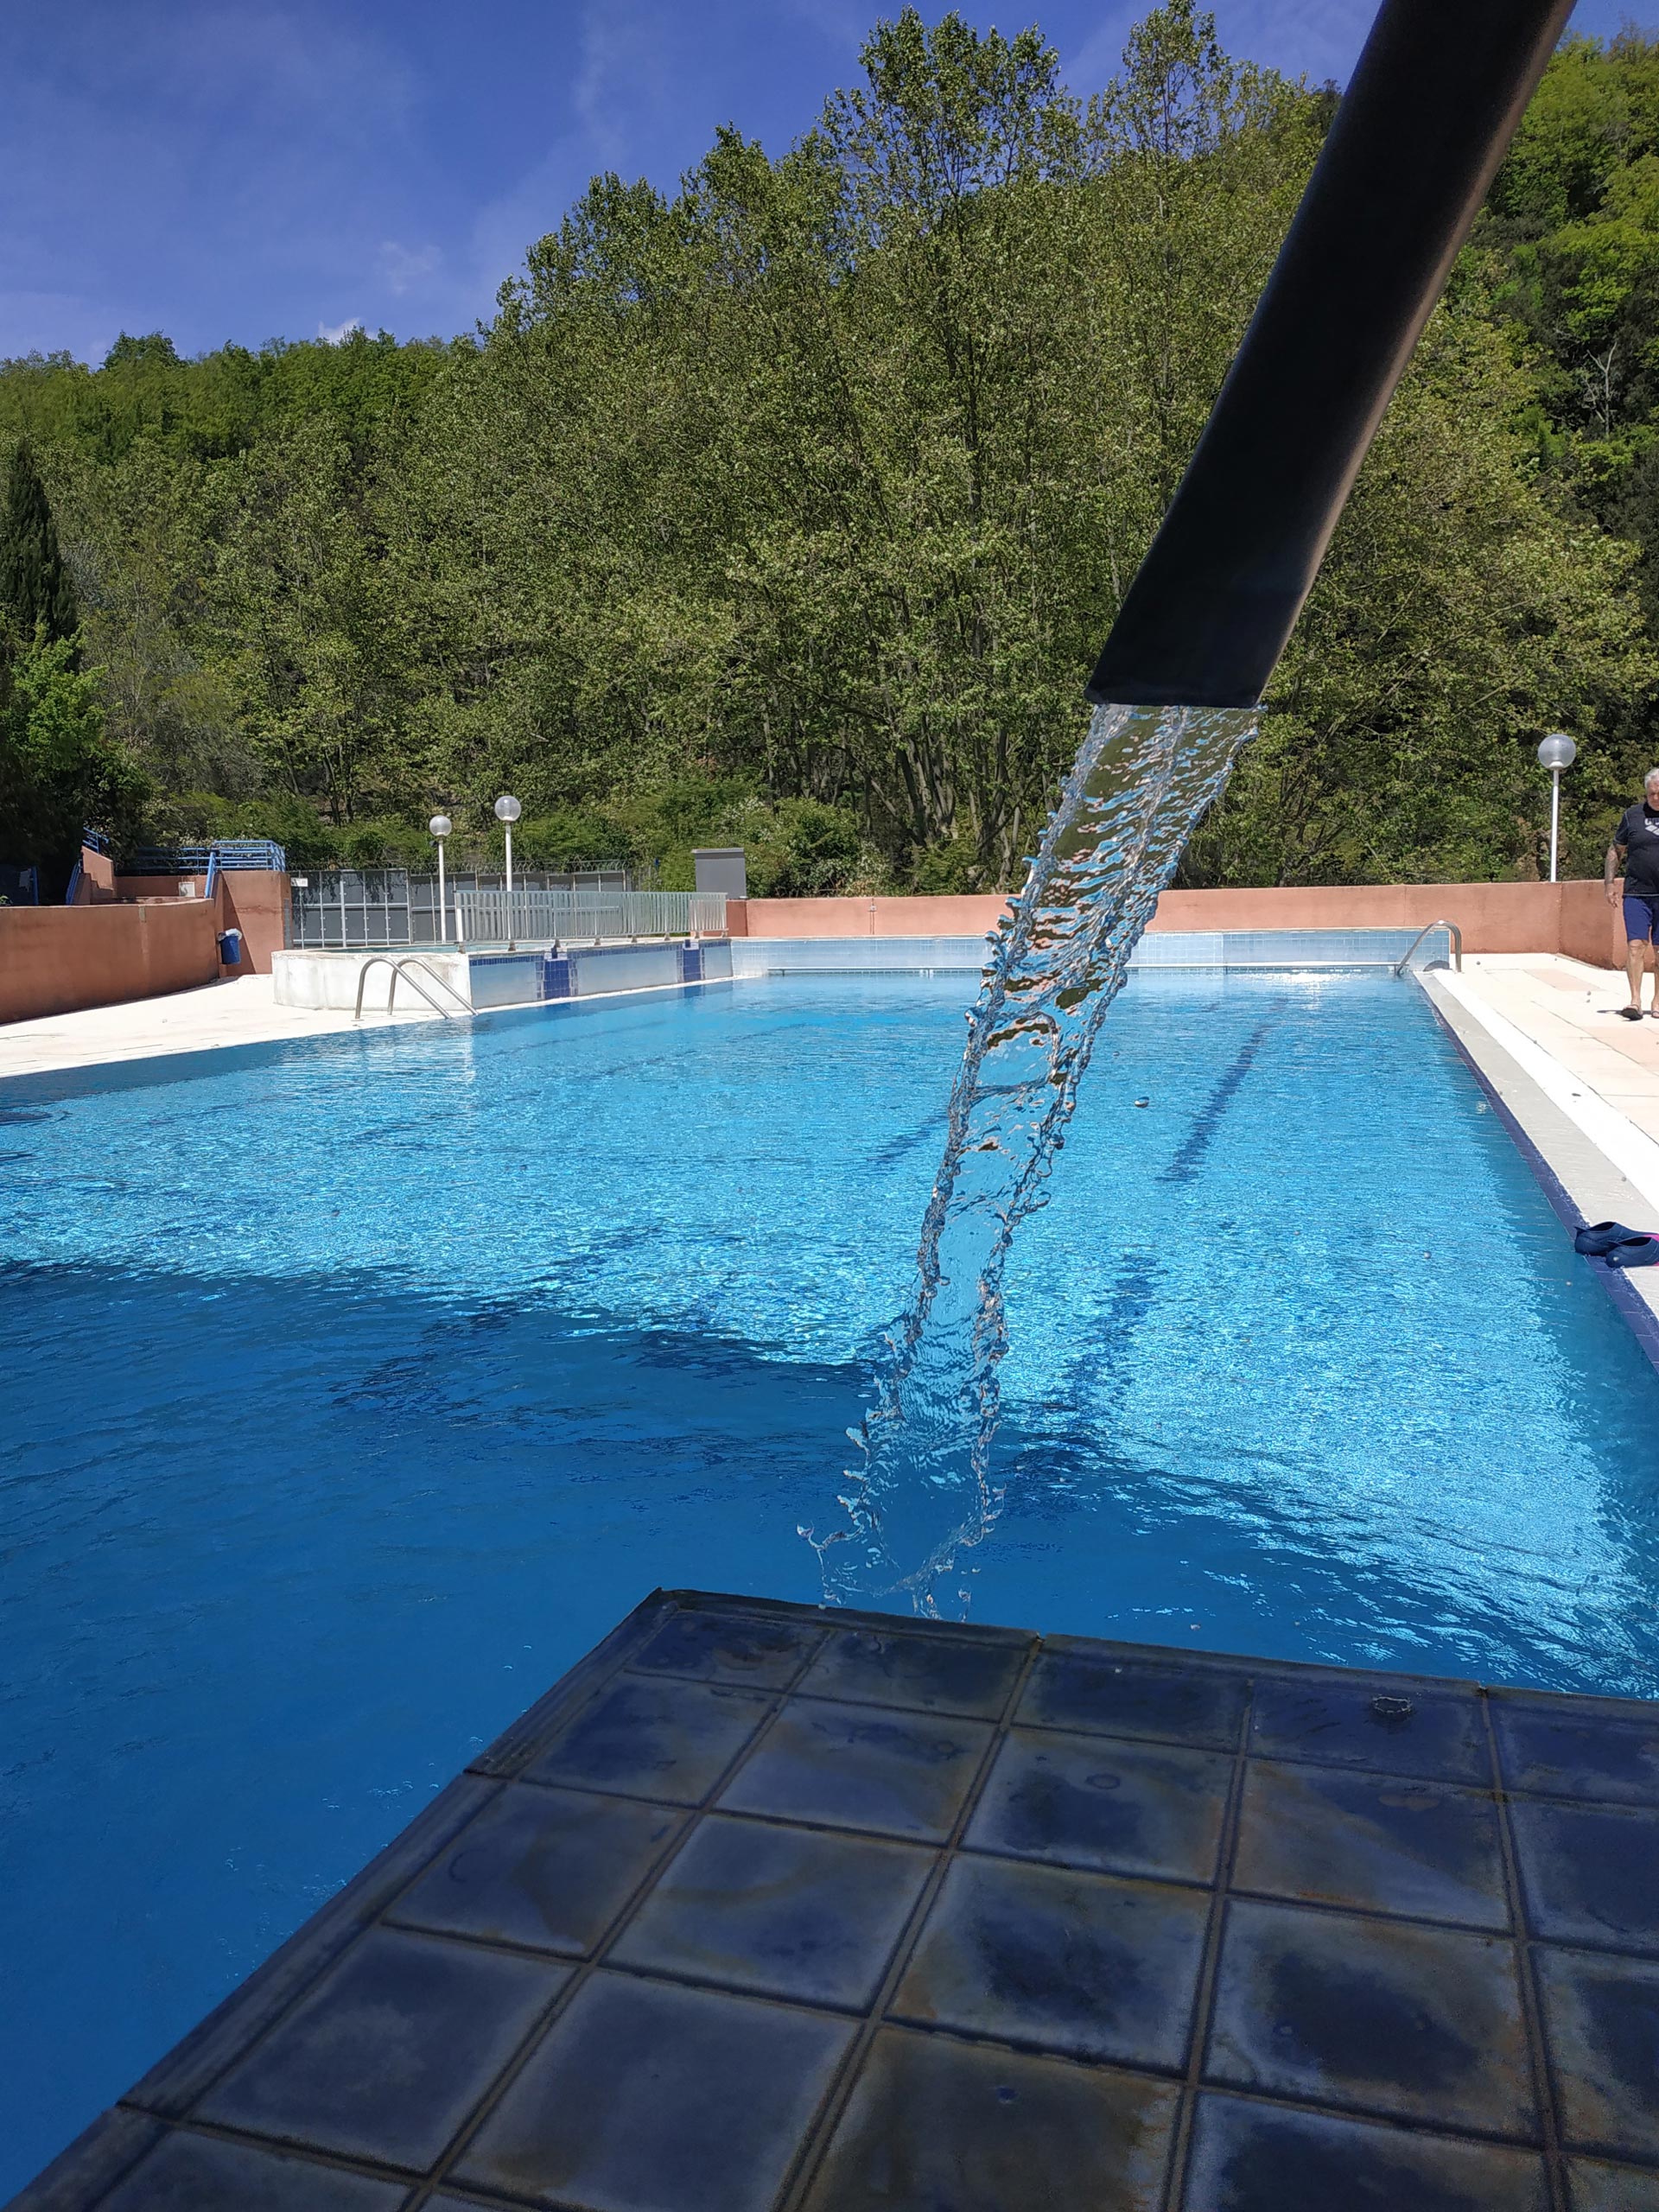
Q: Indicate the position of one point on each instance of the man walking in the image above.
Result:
(1637, 839)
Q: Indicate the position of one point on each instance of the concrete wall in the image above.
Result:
(1571, 918)
(59, 959)
(316, 978)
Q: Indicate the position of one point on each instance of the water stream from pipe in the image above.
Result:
(922, 1490)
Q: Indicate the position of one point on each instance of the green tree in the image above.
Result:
(59, 768)
(37, 594)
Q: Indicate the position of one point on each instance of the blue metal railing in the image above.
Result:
(95, 841)
(222, 855)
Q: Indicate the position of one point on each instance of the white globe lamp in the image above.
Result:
(1557, 752)
(440, 826)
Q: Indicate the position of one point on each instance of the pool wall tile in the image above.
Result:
(769, 1908)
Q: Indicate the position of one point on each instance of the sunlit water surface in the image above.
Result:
(351, 1390)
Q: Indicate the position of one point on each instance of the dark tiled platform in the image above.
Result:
(770, 1910)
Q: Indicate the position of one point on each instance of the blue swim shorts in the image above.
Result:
(1642, 917)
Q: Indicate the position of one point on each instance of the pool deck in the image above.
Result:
(770, 1909)
(1581, 1088)
(239, 1011)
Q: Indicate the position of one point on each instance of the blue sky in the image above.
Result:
(251, 169)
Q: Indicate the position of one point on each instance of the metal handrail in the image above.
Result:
(1427, 930)
(397, 968)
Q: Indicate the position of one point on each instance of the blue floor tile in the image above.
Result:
(1378, 2016)
(1601, 2023)
(1558, 1751)
(1373, 1843)
(370, 2065)
(195, 2173)
(646, 2097)
(1134, 1697)
(753, 1826)
(935, 2126)
(905, 1775)
(1085, 1964)
(1118, 1808)
(1436, 1735)
(1593, 2186)
(1589, 1874)
(1257, 2157)
(1552, 1749)
(730, 1647)
(932, 1673)
(653, 1738)
(789, 1912)
(547, 1868)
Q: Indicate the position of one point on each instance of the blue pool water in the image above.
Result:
(351, 1390)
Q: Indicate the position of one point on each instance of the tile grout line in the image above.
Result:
(1532, 2014)
(1204, 1996)
(820, 2133)
(582, 1970)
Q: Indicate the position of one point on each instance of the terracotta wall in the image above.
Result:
(1571, 918)
(96, 883)
(253, 900)
(59, 959)
(936, 916)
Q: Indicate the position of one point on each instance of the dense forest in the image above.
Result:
(792, 509)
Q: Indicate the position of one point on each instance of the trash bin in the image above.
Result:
(230, 948)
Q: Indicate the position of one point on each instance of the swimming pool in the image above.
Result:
(352, 1388)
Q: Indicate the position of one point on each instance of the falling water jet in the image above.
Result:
(1434, 102)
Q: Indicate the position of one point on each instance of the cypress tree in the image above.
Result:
(36, 585)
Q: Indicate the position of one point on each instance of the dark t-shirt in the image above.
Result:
(1638, 833)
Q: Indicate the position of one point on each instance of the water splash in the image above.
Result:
(922, 1492)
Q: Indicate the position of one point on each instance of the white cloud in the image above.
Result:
(404, 267)
(337, 334)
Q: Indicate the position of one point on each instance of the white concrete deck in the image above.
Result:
(1559, 1020)
(239, 1012)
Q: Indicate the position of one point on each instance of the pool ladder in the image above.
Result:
(1428, 930)
(401, 968)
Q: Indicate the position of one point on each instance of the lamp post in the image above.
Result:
(440, 825)
(507, 811)
(1557, 752)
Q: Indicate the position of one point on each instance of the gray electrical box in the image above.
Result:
(722, 868)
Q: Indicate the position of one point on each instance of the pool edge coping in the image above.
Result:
(1554, 1147)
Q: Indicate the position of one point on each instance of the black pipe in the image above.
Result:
(1433, 103)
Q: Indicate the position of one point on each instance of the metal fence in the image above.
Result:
(354, 909)
(225, 853)
(583, 915)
